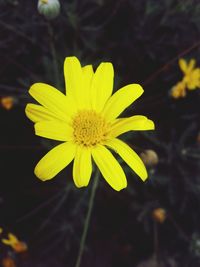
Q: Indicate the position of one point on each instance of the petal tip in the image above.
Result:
(144, 176)
(151, 125)
(138, 87)
(71, 60)
(40, 175)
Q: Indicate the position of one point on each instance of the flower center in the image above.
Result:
(44, 1)
(89, 128)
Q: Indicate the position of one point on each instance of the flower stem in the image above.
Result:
(87, 219)
(54, 56)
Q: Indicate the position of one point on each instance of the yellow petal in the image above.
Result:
(73, 79)
(102, 85)
(38, 113)
(193, 80)
(55, 161)
(109, 167)
(13, 238)
(134, 123)
(55, 130)
(87, 80)
(191, 65)
(82, 168)
(53, 100)
(129, 156)
(183, 65)
(6, 241)
(121, 100)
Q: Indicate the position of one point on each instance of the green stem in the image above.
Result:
(87, 220)
(156, 244)
(54, 55)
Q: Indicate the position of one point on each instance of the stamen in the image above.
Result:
(90, 128)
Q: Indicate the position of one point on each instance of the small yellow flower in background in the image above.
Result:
(190, 81)
(179, 90)
(17, 245)
(8, 262)
(85, 119)
(1, 230)
(159, 215)
(7, 102)
(191, 74)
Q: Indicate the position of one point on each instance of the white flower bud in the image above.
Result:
(49, 8)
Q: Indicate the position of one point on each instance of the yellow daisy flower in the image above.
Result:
(191, 74)
(85, 120)
(179, 90)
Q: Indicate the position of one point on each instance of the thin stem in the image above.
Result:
(169, 63)
(54, 55)
(156, 244)
(87, 220)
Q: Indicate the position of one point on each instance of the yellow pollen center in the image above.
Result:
(90, 128)
(44, 1)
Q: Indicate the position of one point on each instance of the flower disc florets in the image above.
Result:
(90, 128)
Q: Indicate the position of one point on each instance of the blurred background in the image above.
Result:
(151, 224)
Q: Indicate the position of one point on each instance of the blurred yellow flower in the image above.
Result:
(190, 81)
(17, 245)
(191, 74)
(1, 230)
(179, 90)
(85, 119)
(7, 102)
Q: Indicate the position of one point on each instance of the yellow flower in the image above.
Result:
(1, 230)
(85, 119)
(17, 245)
(179, 90)
(191, 74)
(193, 80)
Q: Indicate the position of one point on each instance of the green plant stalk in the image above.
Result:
(87, 219)
(54, 56)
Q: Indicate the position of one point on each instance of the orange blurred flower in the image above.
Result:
(7, 102)
(8, 262)
(17, 245)
(159, 215)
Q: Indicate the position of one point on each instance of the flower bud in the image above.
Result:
(49, 8)
(8, 262)
(7, 102)
(149, 157)
(159, 215)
